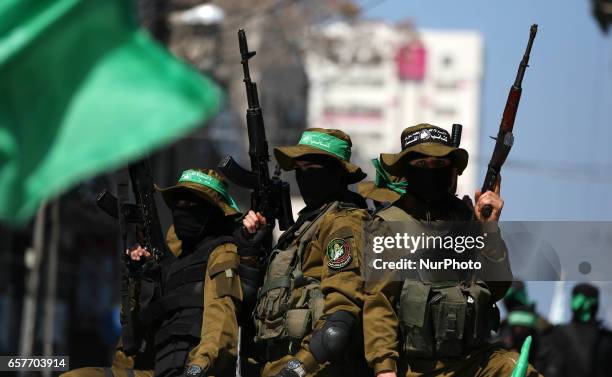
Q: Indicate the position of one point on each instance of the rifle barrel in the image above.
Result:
(245, 55)
(525, 61)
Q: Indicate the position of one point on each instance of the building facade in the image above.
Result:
(373, 79)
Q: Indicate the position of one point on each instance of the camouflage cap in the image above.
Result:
(424, 139)
(205, 183)
(321, 141)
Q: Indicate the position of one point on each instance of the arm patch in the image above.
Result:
(223, 271)
(338, 253)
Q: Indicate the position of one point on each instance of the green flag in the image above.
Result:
(83, 90)
(520, 370)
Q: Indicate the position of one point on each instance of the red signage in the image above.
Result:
(410, 61)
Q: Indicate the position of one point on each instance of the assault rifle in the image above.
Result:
(270, 195)
(505, 138)
(144, 214)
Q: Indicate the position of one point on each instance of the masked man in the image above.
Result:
(189, 302)
(193, 311)
(522, 321)
(582, 347)
(198, 293)
(437, 322)
(309, 308)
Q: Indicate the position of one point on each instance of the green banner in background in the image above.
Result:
(83, 90)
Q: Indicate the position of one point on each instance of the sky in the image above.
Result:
(560, 167)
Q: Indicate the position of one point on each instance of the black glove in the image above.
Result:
(250, 245)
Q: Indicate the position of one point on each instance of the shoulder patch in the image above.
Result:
(338, 253)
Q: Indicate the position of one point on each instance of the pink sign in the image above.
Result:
(410, 61)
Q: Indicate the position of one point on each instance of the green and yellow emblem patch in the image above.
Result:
(338, 253)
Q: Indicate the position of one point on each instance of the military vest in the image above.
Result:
(176, 310)
(441, 318)
(289, 303)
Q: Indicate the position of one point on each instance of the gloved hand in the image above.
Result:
(254, 236)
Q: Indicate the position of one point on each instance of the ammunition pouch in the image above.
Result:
(289, 303)
(286, 312)
(442, 320)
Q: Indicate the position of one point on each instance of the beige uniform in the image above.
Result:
(218, 348)
(383, 347)
(337, 239)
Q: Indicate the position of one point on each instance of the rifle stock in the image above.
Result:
(237, 174)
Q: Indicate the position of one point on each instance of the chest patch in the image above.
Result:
(338, 253)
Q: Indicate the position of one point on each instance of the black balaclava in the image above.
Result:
(320, 185)
(585, 302)
(430, 184)
(193, 223)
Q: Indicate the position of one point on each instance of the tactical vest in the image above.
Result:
(441, 319)
(289, 303)
(177, 308)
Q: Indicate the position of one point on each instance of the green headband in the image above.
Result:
(327, 143)
(521, 318)
(583, 304)
(383, 180)
(204, 179)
